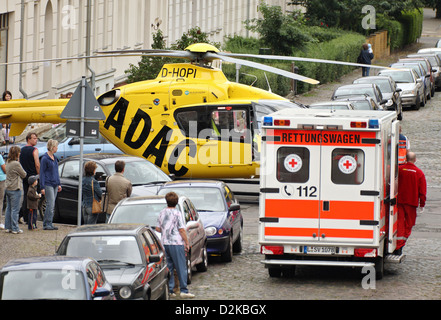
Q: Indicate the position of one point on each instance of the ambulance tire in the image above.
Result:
(275, 272)
(379, 268)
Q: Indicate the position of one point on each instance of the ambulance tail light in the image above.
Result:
(283, 123)
(365, 252)
(276, 250)
(358, 124)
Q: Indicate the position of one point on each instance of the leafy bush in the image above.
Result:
(412, 21)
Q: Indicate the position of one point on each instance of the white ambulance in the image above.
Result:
(328, 186)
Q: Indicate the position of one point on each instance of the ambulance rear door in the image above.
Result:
(323, 189)
(392, 163)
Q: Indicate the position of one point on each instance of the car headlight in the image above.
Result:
(210, 231)
(412, 92)
(125, 292)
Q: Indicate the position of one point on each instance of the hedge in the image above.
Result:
(412, 22)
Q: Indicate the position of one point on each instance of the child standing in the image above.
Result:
(33, 196)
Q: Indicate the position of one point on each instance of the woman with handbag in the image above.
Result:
(50, 183)
(92, 194)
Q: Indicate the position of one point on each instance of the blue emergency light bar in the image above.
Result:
(374, 124)
(268, 121)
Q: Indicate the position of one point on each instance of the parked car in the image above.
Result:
(435, 62)
(146, 210)
(364, 102)
(219, 211)
(332, 105)
(131, 256)
(44, 278)
(436, 51)
(146, 179)
(371, 89)
(418, 68)
(427, 68)
(412, 93)
(389, 90)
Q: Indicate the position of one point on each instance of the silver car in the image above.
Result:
(412, 93)
(333, 105)
(146, 210)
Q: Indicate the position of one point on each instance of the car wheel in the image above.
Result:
(165, 294)
(189, 273)
(203, 266)
(237, 247)
(417, 104)
(227, 256)
(275, 272)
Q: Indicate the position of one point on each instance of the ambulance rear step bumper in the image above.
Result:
(392, 258)
(357, 264)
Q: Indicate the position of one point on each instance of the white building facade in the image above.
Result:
(33, 30)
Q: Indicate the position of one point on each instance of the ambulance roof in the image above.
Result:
(324, 113)
(289, 118)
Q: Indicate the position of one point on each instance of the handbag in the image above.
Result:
(96, 205)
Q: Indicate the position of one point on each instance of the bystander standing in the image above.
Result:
(118, 187)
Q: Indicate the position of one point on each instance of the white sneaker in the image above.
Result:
(187, 295)
(17, 232)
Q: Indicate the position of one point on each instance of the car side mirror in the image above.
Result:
(384, 101)
(154, 258)
(234, 207)
(101, 292)
(399, 90)
(74, 141)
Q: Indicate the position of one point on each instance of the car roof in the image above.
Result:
(105, 157)
(118, 229)
(46, 262)
(373, 78)
(331, 103)
(194, 183)
(357, 85)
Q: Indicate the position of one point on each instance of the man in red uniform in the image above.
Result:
(412, 190)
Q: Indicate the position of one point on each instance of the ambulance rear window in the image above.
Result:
(293, 164)
(347, 166)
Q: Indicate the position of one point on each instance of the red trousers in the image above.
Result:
(406, 220)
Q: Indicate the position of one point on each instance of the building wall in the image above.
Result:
(58, 29)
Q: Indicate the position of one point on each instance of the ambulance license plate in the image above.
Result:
(319, 250)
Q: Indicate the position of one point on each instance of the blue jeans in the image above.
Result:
(51, 194)
(13, 204)
(88, 216)
(176, 259)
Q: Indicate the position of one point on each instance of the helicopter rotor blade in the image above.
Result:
(213, 56)
(286, 58)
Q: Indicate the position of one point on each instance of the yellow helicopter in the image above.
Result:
(190, 121)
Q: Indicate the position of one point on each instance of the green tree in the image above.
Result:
(280, 32)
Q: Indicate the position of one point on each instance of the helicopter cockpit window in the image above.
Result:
(214, 123)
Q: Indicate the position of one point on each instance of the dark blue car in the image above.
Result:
(54, 278)
(219, 211)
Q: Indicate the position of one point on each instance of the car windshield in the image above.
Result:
(203, 198)
(362, 105)
(141, 172)
(145, 213)
(399, 76)
(56, 133)
(63, 284)
(354, 91)
(384, 84)
(105, 249)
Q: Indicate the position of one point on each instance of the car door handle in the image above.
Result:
(97, 149)
(325, 205)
